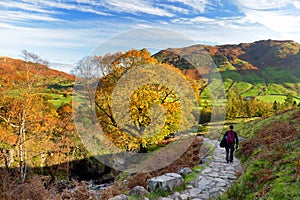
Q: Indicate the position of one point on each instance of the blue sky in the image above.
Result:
(64, 31)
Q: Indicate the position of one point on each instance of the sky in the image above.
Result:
(65, 31)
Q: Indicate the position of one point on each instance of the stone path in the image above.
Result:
(214, 180)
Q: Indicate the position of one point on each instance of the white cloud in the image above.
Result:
(47, 6)
(259, 20)
(25, 16)
(280, 16)
(198, 5)
(277, 21)
(132, 6)
(195, 20)
(229, 33)
(296, 4)
(175, 8)
(23, 6)
(151, 38)
(56, 45)
(74, 6)
(263, 4)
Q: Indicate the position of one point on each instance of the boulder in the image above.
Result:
(138, 190)
(119, 197)
(184, 171)
(165, 182)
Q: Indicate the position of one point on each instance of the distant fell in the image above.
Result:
(244, 56)
(267, 69)
(10, 67)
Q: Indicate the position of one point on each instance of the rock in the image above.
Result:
(183, 196)
(231, 177)
(215, 190)
(189, 187)
(96, 187)
(138, 190)
(221, 184)
(204, 196)
(207, 170)
(119, 197)
(165, 182)
(195, 192)
(203, 184)
(185, 171)
(176, 194)
(219, 180)
(213, 174)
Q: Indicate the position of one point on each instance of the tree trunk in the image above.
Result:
(21, 154)
(22, 149)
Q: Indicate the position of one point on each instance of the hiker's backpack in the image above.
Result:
(230, 137)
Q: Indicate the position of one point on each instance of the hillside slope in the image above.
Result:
(266, 67)
(244, 56)
(53, 85)
(10, 67)
(271, 157)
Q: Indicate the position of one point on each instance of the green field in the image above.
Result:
(277, 98)
(59, 100)
(269, 84)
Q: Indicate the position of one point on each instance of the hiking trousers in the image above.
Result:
(229, 153)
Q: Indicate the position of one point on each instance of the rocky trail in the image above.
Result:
(215, 179)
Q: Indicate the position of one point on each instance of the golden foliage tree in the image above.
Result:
(154, 109)
(25, 111)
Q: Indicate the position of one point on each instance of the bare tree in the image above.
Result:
(88, 72)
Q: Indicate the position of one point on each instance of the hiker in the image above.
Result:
(232, 141)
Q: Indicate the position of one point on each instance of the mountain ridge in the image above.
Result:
(11, 66)
(261, 68)
(243, 56)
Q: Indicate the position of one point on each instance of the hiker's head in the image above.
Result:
(231, 127)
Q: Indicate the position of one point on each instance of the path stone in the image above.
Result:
(165, 182)
(215, 179)
(195, 192)
(184, 171)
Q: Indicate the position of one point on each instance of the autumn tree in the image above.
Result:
(232, 106)
(288, 101)
(22, 109)
(144, 125)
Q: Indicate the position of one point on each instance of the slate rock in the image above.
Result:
(138, 190)
(166, 182)
(119, 197)
(185, 171)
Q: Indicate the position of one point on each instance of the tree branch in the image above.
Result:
(8, 121)
(109, 116)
